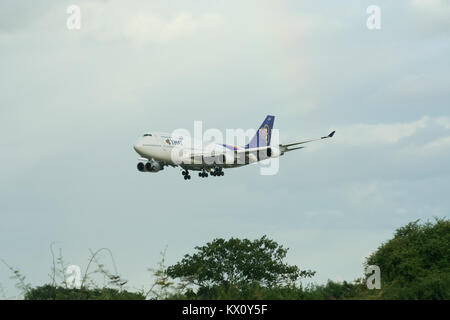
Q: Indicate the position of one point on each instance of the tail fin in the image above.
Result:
(263, 135)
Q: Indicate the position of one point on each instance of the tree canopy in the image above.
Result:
(415, 264)
(238, 261)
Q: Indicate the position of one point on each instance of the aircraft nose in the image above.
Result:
(137, 147)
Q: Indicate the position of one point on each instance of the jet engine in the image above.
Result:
(270, 152)
(273, 152)
(150, 166)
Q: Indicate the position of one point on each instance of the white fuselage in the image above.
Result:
(165, 148)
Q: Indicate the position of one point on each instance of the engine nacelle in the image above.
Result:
(141, 167)
(270, 152)
(154, 166)
(273, 152)
(151, 166)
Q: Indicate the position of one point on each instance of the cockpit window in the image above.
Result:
(147, 135)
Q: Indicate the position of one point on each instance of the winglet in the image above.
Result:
(329, 136)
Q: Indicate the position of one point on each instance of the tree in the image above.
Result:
(237, 262)
(415, 264)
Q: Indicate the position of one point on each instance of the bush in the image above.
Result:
(48, 292)
(415, 264)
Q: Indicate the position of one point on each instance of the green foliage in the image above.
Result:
(236, 262)
(330, 291)
(415, 264)
(356, 290)
(112, 289)
(48, 292)
(162, 284)
(432, 287)
(20, 279)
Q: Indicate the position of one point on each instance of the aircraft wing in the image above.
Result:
(285, 147)
(244, 154)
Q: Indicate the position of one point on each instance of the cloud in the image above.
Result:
(438, 146)
(428, 4)
(382, 133)
(431, 16)
(365, 195)
(145, 26)
(391, 133)
(443, 122)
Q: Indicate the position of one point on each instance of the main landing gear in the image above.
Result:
(216, 173)
(186, 175)
(203, 174)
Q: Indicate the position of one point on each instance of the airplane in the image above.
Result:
(158, 150)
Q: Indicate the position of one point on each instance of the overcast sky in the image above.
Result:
(72, 103)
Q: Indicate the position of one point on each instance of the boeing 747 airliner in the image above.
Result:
(158, 150)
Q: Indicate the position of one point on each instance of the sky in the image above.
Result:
(73, 102)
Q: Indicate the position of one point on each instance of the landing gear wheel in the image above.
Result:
(217, 172)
